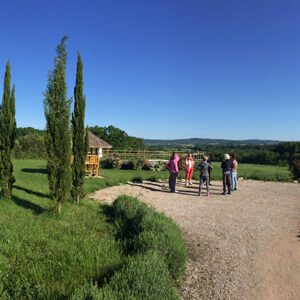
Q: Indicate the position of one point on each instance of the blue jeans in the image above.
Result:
(234, 183)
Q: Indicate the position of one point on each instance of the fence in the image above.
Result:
(147, 155)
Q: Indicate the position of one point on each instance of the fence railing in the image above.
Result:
(146, 154)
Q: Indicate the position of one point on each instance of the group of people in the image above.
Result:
(229, 167)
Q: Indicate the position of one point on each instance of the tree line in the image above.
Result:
(30, 141)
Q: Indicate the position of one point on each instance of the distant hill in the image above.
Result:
(206, 141)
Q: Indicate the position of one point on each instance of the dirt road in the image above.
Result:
(241, 246)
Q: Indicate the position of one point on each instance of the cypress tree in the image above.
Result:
(79, 149)
(58, 134)
(7, 135)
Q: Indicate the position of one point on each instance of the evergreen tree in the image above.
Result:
(58, 134)
(7, 135)
(79, 149)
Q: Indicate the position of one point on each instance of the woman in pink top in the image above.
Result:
(172, 166)
(189, 163)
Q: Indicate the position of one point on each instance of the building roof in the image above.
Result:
(96, 142)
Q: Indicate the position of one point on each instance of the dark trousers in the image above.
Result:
(172, 182)
(226, 182)
(202, 180)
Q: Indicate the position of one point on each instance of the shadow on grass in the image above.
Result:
(28, 205)
(31, 192)
(30, 170)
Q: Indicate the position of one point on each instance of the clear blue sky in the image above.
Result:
(163, 68)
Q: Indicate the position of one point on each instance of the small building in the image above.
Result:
(96, 145)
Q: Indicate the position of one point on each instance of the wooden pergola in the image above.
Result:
(94, 154)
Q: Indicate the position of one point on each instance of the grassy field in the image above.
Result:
(248, 171)
(258, 172)
(43, 256)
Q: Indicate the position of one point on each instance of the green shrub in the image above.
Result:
(152, 179)
(137, 179)
(161, 234)
(127, 214)
(107, 163)
(145, 276)
(117, 162)
(92, 291)
(128, 165)
(159, 166)
(140, 229)
(295, 168)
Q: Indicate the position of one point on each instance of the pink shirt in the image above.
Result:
(172, 165)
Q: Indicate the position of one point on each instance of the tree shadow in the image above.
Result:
(28, 205)
(30, 170)
(151, 188)
(31, 192)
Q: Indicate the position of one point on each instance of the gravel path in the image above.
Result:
(241, 246)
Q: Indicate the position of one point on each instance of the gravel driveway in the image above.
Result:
(241, 246)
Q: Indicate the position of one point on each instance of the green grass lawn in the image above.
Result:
(258, 172)
(248, 171)
(44, 256)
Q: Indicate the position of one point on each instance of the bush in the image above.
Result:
(147, 165)
(117, 162)
(143, 277)
(152, 179)
(128, 165)
(141, 229)
(139, 162)
(107, 163)
(295, 168)
(159, 166)
(137, 179)
(161, 234)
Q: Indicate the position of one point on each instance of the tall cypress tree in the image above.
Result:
(58, 134)
(7, 135)
(79, 149)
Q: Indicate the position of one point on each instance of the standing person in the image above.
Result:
(234, 166)
(209, 170)
(204, 174)
(172, 166)
(226, 170)
(189, 169)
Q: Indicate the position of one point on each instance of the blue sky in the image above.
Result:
(163, 68)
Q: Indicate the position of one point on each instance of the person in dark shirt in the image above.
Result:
(209, 170)
(226, 170)
(204, 167)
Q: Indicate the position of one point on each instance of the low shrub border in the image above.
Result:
(156, 253)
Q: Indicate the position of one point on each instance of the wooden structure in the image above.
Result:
(148, 154)
(96, 146)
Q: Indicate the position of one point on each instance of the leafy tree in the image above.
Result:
(79, 147)
(7, 135)
(30, 146)
(58, 134)
(23, 131)
(118, 138)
